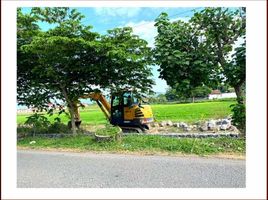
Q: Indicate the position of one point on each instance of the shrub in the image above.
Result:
(38, 122)
(58, 127)
(239, 116)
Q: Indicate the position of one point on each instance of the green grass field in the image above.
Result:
(190, 112)
(150, 144)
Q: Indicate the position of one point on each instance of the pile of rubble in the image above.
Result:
(207, 126)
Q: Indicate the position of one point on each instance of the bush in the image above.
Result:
(38, 122)
(58, 127)
(239, 116)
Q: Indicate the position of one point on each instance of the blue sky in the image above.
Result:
(141, 19)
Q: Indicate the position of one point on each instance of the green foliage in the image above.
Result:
(160, 98)
(70, 60)
(195, 53)
(239, 116)
(179, 54)
(143, 143)
(58, 127)
(225, 88)
(39, 123)
(201, 91)
(57, 15)
(127, 61)
(22, 129)
(177, 94)
(235, 71)
(221, 27)
(172, 94)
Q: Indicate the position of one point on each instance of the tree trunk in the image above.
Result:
(192, 99)
(76, 111)
(71, 109)
(239, 94)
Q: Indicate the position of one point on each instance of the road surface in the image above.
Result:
(41, 169)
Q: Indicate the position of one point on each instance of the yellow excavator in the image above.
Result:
(124, 111)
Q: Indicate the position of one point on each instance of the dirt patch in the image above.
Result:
(92, 128)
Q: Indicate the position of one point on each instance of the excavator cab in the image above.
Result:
(119, 103)
(127, 112)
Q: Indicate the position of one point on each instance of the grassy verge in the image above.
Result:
(147, 143)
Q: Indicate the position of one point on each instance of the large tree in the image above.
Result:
(199, 91)
(179, 52)
(235, 71)
(222, 28)
(197, 52)
(128, 59)
(71, 60)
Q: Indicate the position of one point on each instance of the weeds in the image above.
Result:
(142, 143)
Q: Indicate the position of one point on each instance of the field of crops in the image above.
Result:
(190, 112)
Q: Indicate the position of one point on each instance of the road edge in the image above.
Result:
(233, 156)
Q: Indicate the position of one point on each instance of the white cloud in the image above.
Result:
(145, 30)
(184, 19)
(118, 11)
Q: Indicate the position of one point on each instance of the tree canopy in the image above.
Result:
(71, 60)
(197, 52)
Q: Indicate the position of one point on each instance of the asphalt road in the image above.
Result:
(41, 169)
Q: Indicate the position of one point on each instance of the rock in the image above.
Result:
(162, 124)
(194, 127)
(155, 124)
(204, 127)
(225, 124)
(103, 138)
(211, 124)
(233, 135)
(233, 128)
(169, 123)
(218, 122)
(176, 125)
(201, 136)
(215, 129)
(183, 125)
(223, 127)
(187, 128)
(226, 121)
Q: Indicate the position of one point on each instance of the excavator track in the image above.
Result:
(126, 129)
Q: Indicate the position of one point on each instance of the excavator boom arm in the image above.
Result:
(101, 101)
